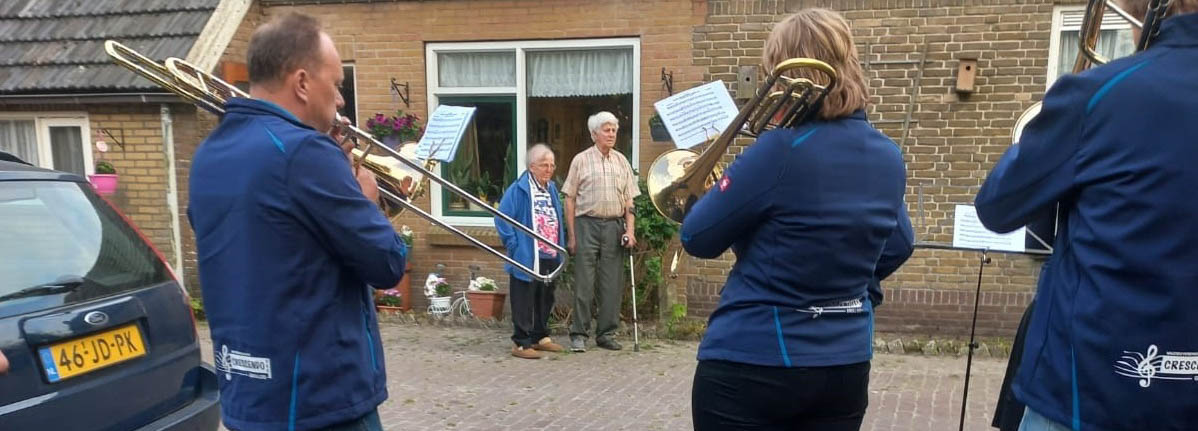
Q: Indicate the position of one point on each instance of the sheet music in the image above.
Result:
(444, 132)
(968, 232)
(696, 114)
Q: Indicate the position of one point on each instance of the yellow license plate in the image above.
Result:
(93, 352)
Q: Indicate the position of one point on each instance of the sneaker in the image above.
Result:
(525, 353)
(608, 343)
(578, 343)
(547, 345)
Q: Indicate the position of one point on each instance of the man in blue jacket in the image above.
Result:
(533, 201)
(1110, 345)
(289, 245)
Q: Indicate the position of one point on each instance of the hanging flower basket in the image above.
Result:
(105, 178)
(657, 129)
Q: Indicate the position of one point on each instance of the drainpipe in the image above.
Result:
(172, 193)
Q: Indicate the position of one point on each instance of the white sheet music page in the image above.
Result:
(696, 114)
(968, 232)
(444, 132)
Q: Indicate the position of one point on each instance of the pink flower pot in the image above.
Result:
(105, 184)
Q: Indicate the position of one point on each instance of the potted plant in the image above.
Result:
(104, 180)
(657, 129)
(395, 129)
(486, 301)
(389, 301)
(405, 283)
(438, 292)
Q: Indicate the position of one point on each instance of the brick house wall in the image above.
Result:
(950, 143)
(385, 40)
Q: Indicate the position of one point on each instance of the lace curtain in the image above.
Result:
(477, 69)
(593, 72)
(17, 137)
(1112, 44)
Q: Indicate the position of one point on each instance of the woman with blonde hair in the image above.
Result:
(816, 218)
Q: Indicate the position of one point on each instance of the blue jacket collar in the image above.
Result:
(262, 107)
(522, 183)
(1180, 30)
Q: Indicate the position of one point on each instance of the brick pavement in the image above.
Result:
(445, 378)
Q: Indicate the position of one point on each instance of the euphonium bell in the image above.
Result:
(678, 178)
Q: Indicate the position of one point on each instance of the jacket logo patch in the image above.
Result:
(1150, 365)
(233, 362)
(725, 182)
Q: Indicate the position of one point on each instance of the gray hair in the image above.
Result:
(284, 44)
(538, 152)
(598, 120)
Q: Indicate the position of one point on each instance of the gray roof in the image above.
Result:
(57, 46)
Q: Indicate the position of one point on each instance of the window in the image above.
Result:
(60, 142)
(528, 92)
(349, 93)
(1114, 41)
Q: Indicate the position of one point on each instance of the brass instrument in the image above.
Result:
(678, 178)
(400, 178)
(1087, 53)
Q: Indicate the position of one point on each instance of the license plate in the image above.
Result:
(93, 352)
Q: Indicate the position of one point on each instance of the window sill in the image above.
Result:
(487, 235)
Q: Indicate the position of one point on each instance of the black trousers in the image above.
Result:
(532, 302)
(735, 396)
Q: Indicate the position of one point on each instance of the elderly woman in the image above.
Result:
(816, 218)
(533, 201)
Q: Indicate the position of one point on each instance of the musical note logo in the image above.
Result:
(1141, 366)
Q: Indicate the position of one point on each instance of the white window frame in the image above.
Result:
(520, 91)
(354, 70)
(43, 121)
(1068, 18)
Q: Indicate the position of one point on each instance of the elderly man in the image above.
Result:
(532, 200)
(599, 191)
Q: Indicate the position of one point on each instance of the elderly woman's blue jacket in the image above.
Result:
(517, 204)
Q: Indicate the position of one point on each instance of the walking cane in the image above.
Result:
(636, 340)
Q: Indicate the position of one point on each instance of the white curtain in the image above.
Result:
(66, 147)
(19, 138)
(477, 69)
(595, 72)
(1112, 44)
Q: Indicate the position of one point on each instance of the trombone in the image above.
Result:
(678, 178)
(209, 92)
(1087, 53)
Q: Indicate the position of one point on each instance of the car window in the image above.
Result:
(59, 234)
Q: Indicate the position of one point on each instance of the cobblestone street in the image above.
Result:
(448, 378)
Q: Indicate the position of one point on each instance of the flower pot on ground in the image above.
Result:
(389, 301)
(486, 305)
(486, 302)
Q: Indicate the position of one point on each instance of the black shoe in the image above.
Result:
(608, 343)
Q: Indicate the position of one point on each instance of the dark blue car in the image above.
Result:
(98, 333)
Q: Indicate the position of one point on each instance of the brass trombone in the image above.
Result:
(210, 93)
(678, 178)
(1087, 52)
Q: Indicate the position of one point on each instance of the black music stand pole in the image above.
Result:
(982, 261)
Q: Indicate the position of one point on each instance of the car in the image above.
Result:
(97, 331)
